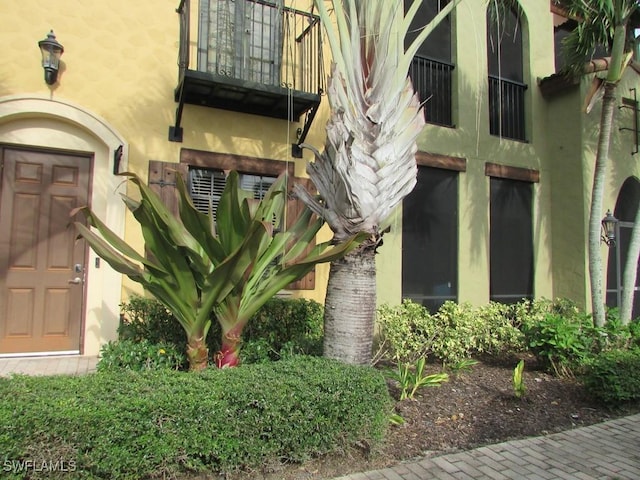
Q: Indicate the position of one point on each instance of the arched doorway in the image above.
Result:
(58, 144)
(625, 212)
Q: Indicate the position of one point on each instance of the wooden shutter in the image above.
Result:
(162, 180)
(294, 207)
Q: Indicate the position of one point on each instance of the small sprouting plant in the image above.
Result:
(518, 380)
(462, 366)
(395, 419)
(412, 377)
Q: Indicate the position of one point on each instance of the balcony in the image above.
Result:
(251, 56)
(432, 80)
(506, 108)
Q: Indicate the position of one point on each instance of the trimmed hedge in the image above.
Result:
(131, 425)
(613, 376)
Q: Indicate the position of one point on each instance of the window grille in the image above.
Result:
(431, 69)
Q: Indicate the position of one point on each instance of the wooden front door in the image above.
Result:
(41, 264)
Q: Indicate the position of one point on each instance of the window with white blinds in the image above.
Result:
(206, 186)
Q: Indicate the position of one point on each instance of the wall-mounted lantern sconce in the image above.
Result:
(51, 50)
(609, 223)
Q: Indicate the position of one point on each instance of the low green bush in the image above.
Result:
(162, 424)
(287, 326)
(408, 332)
(145, 318)
(613, 376)
(142, 355)
(634, 332)
(465, 330)
(562, 343)
(281, 327)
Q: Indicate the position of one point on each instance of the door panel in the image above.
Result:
(40, 311)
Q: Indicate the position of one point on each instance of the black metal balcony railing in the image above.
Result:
(506, 108)
(251, 56)
(432, 80)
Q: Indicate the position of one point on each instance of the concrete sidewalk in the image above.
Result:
(609, 450)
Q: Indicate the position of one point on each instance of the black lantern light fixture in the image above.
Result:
(51, 50)
(609, 223)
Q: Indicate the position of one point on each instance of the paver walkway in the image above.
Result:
(609, 450)
(62, 365)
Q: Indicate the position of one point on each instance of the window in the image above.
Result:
(430, 239)
(241, 39)
(505, 61)
(511, 240)
(431, 68)
(625, 212)
(206, 186)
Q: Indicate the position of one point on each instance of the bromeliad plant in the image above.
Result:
(229, 266)
(519, 388)
(412, 377)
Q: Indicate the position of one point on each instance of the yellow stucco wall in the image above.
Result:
(120, 66)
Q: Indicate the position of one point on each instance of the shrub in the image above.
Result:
(144, 318)
(614, 376)
(456, 332)
(561, 342)
(142, 355)
(634, 332)
(281, 326)
(154, 424)
(291, 324)
(464, 331)
(405, 332)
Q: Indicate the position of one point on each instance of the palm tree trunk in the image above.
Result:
(350, 307)
(630, 273)
(197, 352)
(597, 194)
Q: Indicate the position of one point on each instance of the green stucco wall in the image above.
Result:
(470, 139)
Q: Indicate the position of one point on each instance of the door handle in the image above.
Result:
(76, 281)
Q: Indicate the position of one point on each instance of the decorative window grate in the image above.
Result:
(506, 108)
(432, 80)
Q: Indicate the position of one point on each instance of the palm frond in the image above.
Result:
(597, 21)
(368, 163)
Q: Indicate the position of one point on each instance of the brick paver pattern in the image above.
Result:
(609, 450)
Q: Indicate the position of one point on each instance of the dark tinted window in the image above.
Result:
(506, 87)
(504, 44)
(511, 240)
(431, 70)
(430, 239)
(437, 46)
